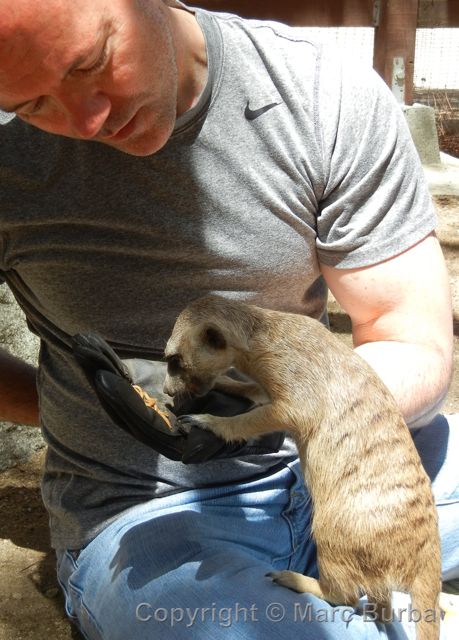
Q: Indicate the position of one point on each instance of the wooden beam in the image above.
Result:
(332, 13)
(438, 13)
(395, 40)
(327, 13)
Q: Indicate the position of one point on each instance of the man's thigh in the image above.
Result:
(193, 565)
(438, 446)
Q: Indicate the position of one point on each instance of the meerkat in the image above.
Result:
(374, 517)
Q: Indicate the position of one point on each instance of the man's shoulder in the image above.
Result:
(275, 33)
(285, 56)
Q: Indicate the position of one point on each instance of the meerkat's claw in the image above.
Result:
(186, 422)
(277, 576)
(294, 581)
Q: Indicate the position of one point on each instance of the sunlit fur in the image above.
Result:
(374, 522)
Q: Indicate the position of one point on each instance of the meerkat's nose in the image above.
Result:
(167, 389)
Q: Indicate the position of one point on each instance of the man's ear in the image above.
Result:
(213, 338)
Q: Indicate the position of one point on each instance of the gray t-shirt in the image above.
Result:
(244, 200)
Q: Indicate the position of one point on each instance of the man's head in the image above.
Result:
(114, 71)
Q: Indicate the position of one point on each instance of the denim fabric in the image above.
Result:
(193, 565)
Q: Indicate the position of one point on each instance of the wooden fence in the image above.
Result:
(395, 23)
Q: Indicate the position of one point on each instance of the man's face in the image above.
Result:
(103, 70)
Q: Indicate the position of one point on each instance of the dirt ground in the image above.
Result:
(31, 607)
(449, 143)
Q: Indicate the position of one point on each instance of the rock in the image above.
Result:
(18, 442)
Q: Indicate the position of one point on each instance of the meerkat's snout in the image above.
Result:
(180, 381)
(174, 384)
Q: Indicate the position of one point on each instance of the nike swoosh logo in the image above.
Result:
(252, 114)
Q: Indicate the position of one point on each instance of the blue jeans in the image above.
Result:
(192, 565)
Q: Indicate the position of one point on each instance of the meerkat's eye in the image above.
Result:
(174, 365)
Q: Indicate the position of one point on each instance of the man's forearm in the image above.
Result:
(18, 391)
(417, 376)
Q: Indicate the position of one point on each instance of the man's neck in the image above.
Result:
(190, 46)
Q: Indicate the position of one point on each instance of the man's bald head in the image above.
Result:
(113, 71)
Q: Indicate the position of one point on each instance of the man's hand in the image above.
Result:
(112, 382)
(18, 391)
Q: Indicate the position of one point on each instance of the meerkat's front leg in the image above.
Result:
(250, 390)
(241, 427)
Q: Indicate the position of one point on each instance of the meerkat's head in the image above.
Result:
(203, 345)
(195, 358)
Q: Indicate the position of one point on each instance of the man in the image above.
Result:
(198, 153)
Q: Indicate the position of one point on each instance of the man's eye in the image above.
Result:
(31, 109)
(99, 63)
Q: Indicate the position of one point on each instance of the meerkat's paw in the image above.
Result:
(296, 582)
(187, 422)
(217, 424)
(304, 584)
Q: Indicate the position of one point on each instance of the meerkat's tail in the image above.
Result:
(425, 596)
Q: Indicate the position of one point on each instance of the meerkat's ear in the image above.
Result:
(213, 337)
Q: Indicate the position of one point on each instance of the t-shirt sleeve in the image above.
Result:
(375, 201)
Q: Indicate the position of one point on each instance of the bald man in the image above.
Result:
(151, 153)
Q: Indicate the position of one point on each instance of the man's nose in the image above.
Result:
(86, 112)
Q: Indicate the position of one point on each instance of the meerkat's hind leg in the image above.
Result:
(381, 606)
(297, 582)
(305, 584)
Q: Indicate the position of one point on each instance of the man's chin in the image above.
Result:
(146, 140)
(140, 146)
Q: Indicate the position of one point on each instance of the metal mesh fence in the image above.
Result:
(436, 64)
(436, 70)
(436, 82)
(357, 42)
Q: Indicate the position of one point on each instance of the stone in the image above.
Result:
(421, 122)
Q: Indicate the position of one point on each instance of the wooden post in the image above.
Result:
(395, 40)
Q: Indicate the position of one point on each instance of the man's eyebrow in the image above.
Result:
(101, 39)
(75, 64)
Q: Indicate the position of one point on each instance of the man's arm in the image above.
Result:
(18, 391)
(402, 324)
